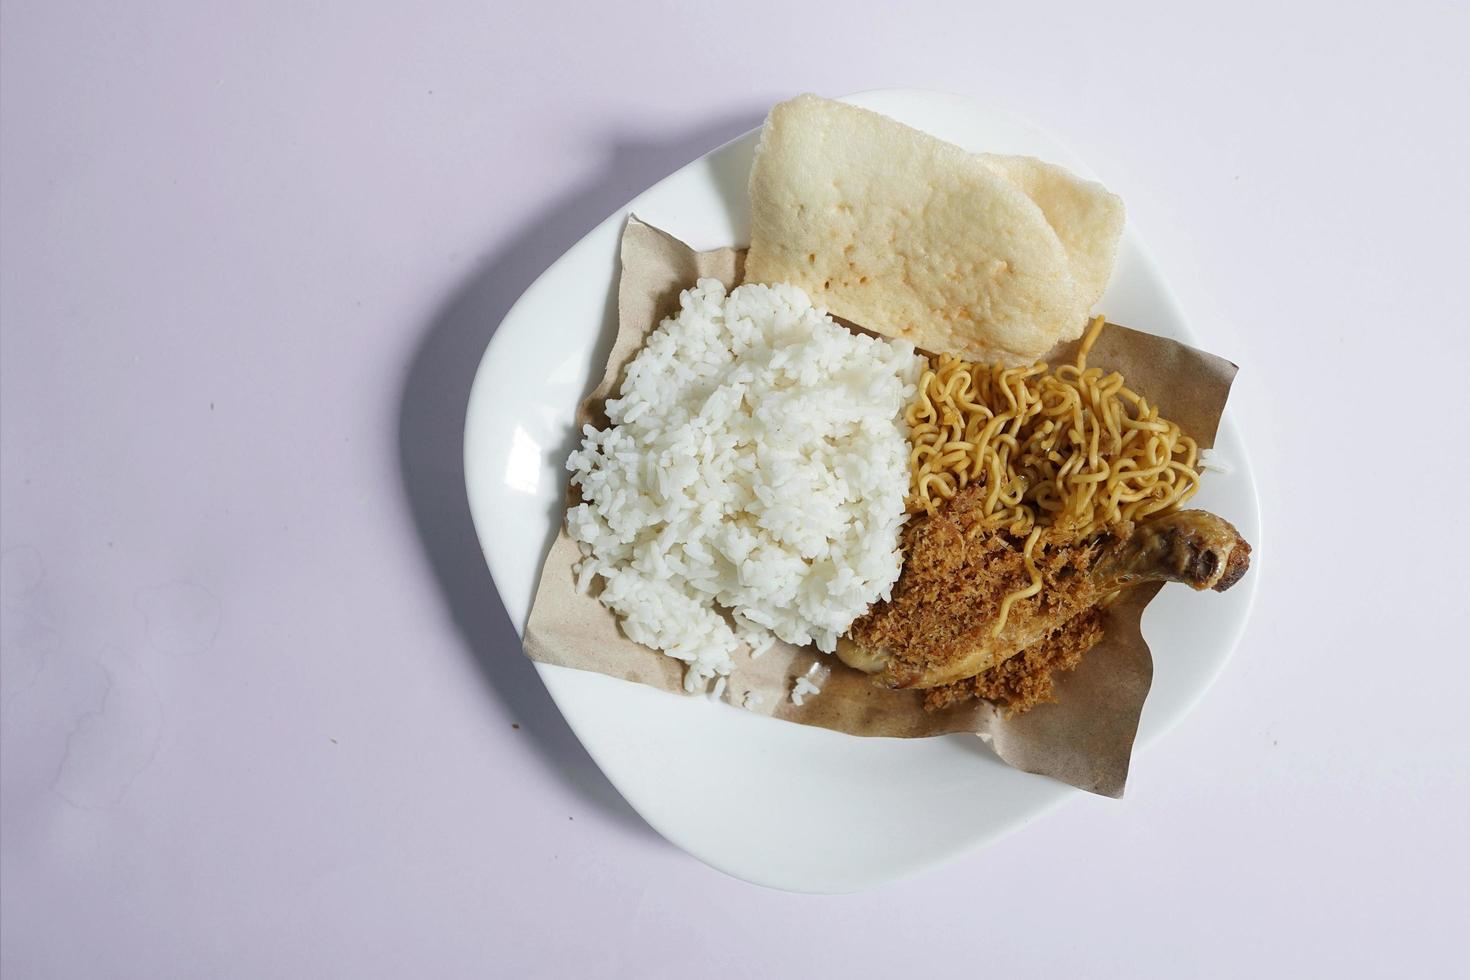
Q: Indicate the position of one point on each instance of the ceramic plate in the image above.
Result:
(771, 802)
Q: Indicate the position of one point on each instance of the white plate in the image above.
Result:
(770, 802)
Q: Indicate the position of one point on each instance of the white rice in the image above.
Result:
(751, 484)
(809, 684)
(1208, 460)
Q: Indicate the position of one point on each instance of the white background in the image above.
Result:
(258, 704)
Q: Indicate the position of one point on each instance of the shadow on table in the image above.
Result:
(431, 428)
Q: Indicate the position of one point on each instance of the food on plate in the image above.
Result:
(1027, 678)
(961, 580)
(986, 257)
(1087, 218)
(1062, 488)
(751, 482)
(935, 504)
(1074, 449)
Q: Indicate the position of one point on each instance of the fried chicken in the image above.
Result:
(938, 626)
(1026, 679)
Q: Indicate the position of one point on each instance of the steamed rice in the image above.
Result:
(751, 483)
(809, 685)
(801, 689)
